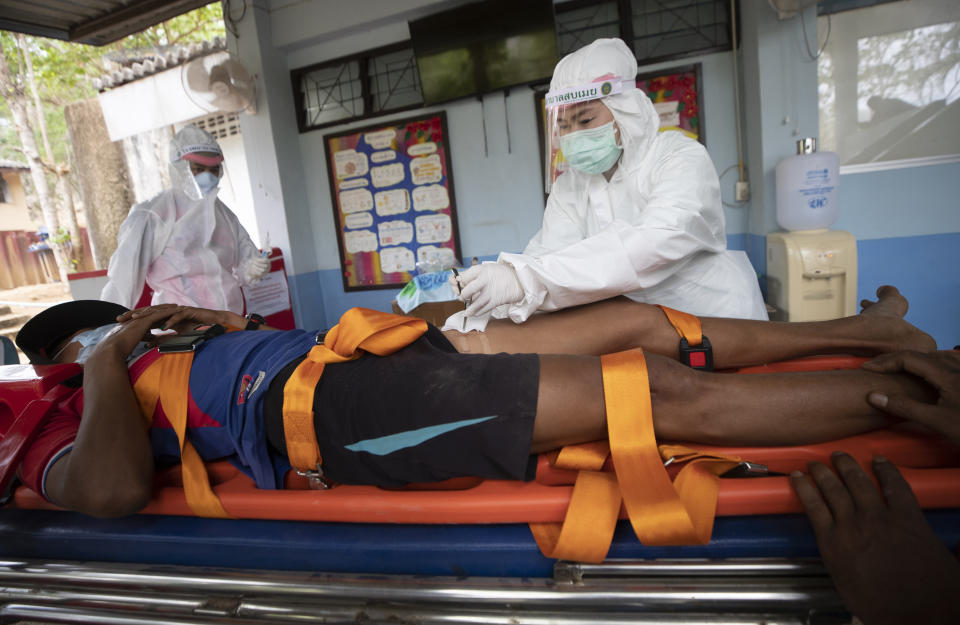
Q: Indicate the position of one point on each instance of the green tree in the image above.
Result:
(43, 75)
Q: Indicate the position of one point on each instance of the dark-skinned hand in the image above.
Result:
(886, 562)
(941, 370)
(185, 317)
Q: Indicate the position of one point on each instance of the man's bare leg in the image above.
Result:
(618, 324)
(716, 408)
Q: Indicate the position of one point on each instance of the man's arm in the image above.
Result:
(109, 471)
(180, 316)
(127, 271)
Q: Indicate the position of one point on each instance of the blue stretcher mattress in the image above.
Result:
(458, 550)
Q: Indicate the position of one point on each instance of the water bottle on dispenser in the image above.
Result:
(807, 188)
(811, 271)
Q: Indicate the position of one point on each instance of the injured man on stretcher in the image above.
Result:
(441, 406)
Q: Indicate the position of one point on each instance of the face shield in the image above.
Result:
(580, 130)
(196, 163)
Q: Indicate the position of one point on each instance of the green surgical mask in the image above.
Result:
(592, 151)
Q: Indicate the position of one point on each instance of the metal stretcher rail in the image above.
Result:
(730, 592)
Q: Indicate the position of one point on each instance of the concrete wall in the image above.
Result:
(14, 215)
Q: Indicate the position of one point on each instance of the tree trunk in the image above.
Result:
(17, 101)
(64, 199)
(102, 172)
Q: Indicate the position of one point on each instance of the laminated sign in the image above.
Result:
(393, 200)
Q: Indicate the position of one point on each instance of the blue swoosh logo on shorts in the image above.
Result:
(411, 438)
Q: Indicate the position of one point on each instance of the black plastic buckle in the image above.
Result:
(699, 357)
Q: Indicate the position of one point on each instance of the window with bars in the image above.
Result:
(658, 30)
(385, 80)
(379, 81)
(664, 29)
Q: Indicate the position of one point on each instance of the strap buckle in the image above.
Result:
(315, 478)
(750, 469)
(744, 469)
(698, 356)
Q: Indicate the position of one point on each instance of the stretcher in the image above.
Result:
(470, 541)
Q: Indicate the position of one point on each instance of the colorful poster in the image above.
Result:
(676, 96)
(393, 200)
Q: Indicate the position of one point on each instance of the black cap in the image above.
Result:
(56, 323)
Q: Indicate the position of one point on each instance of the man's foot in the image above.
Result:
(889, 303)
(888, 327)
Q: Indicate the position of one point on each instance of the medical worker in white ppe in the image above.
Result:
(185, 243)
(638, 212)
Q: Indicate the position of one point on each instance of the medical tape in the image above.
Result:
(584, 93)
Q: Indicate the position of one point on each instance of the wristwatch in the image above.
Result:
(254, 321)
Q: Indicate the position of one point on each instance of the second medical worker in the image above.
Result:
(185, 243)
(638, 213)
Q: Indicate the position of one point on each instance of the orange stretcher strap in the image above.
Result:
(360, 330)
(686, 325)
(167, 381)
(661, 512)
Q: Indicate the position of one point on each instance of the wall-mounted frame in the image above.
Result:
(676, 93)
(392, 194)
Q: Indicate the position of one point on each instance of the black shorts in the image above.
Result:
(426, 413)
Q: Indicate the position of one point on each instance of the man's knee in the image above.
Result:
(681, 398)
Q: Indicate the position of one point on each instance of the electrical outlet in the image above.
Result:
(742, 191)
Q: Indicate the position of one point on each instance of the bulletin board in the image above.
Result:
(393, 202)
(676, 94)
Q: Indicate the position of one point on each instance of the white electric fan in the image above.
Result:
(219, 83)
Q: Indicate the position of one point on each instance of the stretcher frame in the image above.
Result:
(468, 542)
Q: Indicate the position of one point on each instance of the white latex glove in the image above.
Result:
(256, 268)
(489, 285)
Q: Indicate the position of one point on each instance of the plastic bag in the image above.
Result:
(426, 287)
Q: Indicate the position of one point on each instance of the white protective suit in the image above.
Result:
(655, 232)
(188, 246)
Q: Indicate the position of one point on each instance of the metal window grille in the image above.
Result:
(332, 93)
(664, 29)
(578, 24)
(371, 83)
(385, 80)
(394, 81)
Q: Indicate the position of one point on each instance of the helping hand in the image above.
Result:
(489, 285)
(885, 560)
(177, 315)
(256, 267)
(939, 369)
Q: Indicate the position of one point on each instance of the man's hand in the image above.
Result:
(885, 560)
(180, 317)
(134, 327)
(489, 285)
(939, 369)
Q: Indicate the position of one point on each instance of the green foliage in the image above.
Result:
(64, 71)
(62, 237)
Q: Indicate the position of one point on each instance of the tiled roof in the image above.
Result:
(5, 164)
(157, 62)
